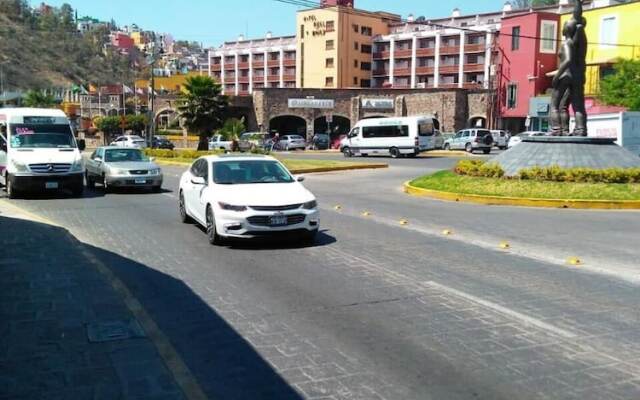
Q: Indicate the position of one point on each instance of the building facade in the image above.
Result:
(335, 44)
(245, 65)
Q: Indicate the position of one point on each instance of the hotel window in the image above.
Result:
(356, 46)
(548, 42)
(366, 30)
(608, 30)
(365, 83)
(365, 49)
(355, 27)
(355, 80)
(302, 31)
(328, 63)
(512, 95)
(515, 38)
(355, 63)
(328, 81)
(330, 26)
(365, 66)
(329, 45)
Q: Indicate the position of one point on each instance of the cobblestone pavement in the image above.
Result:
(50, 295)
(370, 312)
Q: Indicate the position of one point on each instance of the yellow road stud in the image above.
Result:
(366, 213)
(574, 261)
(404, 221)
(338, 207)
(447, 232)
(505, 245)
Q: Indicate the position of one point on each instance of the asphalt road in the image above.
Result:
(376, 310)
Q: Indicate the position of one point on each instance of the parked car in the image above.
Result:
(122, 167)
(217, 142)
(159, 142)
(500, 139)
(292, 142)
(247, 197)
(438, 140)
(320, 141)
(517, 139)
(131, 141)
(471, 140)
(252, 140)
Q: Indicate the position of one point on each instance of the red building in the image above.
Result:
(121, 41)
(528, 50)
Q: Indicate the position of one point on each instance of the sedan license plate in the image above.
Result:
(140, 181)
(278, 220)
(51, 185)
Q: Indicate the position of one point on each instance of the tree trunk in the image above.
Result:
(203, 143)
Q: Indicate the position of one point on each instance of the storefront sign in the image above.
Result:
(378, 104)
(312, 103)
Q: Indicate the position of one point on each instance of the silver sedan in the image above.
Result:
(122, 167)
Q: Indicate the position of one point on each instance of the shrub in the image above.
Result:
(581, 175)
(479, 168)
(188, 154)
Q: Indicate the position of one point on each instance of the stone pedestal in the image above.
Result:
(566, 152)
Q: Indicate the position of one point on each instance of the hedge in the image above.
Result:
(190, 154)
(554, 173)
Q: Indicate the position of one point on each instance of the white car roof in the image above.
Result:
(235, 157)
(32, 112)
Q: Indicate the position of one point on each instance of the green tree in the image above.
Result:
(232, 128)
(110, 126)
(622, 88)
(136, 123)
(39, 99)
(202, 106)
(519, 4)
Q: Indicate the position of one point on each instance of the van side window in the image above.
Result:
(385, 131)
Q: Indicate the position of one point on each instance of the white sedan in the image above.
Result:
(247, 197)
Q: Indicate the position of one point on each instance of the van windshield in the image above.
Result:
(41, 136)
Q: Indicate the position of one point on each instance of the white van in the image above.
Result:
(38, 152)
(396, 136)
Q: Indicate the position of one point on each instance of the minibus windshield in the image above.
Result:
(41, 136)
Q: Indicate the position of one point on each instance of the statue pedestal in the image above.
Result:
(566, 152)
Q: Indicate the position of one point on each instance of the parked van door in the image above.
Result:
(4, 145)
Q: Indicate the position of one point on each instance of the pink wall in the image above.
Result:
(122, 41)
(526, 66)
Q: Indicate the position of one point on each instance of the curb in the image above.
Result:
(522, 201)
(300, 171)
(445, 153)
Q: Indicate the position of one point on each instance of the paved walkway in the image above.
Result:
(65, 333)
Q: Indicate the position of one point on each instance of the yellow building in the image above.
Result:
(607, 26)
(335, 46)
(172, 83)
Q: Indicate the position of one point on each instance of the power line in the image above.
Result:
(351, 11)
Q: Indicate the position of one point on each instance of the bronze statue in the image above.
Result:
(569, 79)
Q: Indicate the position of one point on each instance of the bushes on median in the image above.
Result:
(554, 173)
(186, 154)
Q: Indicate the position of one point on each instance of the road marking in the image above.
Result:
(527, 320)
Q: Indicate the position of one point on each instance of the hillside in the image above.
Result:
(46, 51)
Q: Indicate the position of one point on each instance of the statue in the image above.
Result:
(569, 79)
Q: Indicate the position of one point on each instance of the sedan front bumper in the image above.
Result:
(254, 224)
(134, 180)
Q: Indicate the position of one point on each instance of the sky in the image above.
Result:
(212, 22)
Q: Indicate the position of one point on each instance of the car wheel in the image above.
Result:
(105, 184)
(91, 184)
(447, 147)
(486, 151)
(11, 192)
(395, 153)
(310, 237)
(212, 234)
(156, 189)
(184, 217)
(468, 148)
(347, 152)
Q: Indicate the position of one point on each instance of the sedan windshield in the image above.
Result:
(41, 136)
(249, 171)
(124, 155)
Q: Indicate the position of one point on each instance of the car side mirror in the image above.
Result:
(300, 178)
(198, 180)
(98, 159)
(82, 144)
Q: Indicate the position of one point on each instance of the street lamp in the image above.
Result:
(151, 60)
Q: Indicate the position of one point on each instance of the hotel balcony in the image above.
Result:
(449, 50)
(243, 79)
(289, 78)
(229, 79)
(448, 86)
(289, 62)
(230, 66)
(243, 65)
(243, 93)
(383, 55)
(216, 67)
(422, 52)
(404, 53)
(425, 70)
(474, 68)
(273, 78)
(449, 69)
(380, 72)
(474, 48)
(471, 85)
(402, 72)
(273, 63)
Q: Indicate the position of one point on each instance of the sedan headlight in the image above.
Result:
(76, 166)
(155, 171)
(310, 205)
(118, 171)
(20, 166)
(230, 207)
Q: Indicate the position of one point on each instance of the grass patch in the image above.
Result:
(447, 181)
(292, 164)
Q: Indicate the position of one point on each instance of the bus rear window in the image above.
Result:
(426, 128)
(385, 131)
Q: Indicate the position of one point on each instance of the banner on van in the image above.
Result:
(311, 103)
(378, 104)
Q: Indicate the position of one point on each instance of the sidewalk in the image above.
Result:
(65, 332)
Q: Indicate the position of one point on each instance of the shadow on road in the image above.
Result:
(223, 362)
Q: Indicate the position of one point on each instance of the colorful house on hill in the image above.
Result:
(613, 32)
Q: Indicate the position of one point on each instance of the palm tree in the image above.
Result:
(202, 106)
(39, 99)
(232, 128)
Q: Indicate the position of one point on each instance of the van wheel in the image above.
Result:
(91, 184)
(347, 152)
(77, 190)
(447, 147)
(11, 192)
(486, 151)
(395, 153)
(468, 148)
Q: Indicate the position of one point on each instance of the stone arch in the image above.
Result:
(340, 125)
(165, 116)
(477, 121)
(288, 124)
